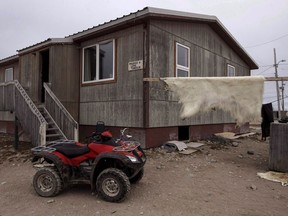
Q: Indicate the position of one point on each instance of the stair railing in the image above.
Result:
(13, 97)
(60, 115)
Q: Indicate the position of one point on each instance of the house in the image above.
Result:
(98, 74)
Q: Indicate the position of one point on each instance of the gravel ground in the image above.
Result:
(219, 179)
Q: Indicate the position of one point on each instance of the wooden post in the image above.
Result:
(278, 152)
(16, 140)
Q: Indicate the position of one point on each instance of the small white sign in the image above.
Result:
(135, 65)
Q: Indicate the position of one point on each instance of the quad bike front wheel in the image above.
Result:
(47, 182)
(112, 185)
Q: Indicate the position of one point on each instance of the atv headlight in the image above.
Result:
(132, 159)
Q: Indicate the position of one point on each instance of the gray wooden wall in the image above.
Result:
(63, 75)
(14, 65)
(118, 103)
(209, 57)
(29, 78)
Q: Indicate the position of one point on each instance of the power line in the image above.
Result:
(277, 100)
(267, 42)
(265, 70)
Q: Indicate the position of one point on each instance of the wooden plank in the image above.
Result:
(156, 79)
(276, 79)
(151, 79)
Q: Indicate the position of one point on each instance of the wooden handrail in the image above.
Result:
(60, 107)
(26, 111)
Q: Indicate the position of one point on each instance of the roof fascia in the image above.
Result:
(9, 60)
(48, 42)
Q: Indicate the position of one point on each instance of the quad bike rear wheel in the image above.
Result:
(47, 182)
(112, 185)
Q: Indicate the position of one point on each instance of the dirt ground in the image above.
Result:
(221, 179)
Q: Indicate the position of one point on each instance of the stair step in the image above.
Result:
(53, 135)
(50, 123)
(51, 129)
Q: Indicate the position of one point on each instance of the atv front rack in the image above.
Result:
(127, 146)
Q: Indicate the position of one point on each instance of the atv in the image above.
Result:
(108, 165)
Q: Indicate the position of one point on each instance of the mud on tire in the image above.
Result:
(112, 185)
(47, 182)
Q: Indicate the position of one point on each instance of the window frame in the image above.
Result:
(181, 67)
(97, 46)
(7, 70)
(231, 66)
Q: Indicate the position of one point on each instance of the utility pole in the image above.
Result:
(282, 94)
(277, 85)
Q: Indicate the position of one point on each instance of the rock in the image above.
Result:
(51, 201)
(240, 156)
(235, 144)
(213, 161)
(250, 152)
(253, 187)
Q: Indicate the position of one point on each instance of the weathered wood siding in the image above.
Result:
(118, 103)
(278, 148)
(29, 78)
(64, 76)
(14, 65)
(209, 57)
(14, 98)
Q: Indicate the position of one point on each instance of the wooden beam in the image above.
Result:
(151, 79)
(276, 79)
(156, 79)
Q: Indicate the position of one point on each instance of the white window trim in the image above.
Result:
(231, 66)
(9, 70)
(181, 67)
(97, 63)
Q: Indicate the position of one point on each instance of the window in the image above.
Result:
(182, 60)
(98, 62)
(230, 70)
(9, 74)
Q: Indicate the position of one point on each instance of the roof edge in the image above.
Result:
(9, 59)
(45, 43)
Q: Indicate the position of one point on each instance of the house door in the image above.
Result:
(44, 72)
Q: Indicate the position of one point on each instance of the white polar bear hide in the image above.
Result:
(240, 96)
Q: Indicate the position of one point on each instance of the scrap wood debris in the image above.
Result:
(182, 147)
(232, 136)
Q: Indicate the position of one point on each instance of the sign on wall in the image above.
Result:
(135, 65)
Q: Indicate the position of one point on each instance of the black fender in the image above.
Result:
(105, 160)
(63, 169)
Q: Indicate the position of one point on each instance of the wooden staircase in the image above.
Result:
(45, 123)
(53, 132)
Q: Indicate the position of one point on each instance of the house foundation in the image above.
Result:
(155, 137)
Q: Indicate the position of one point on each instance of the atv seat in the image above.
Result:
(71, 150)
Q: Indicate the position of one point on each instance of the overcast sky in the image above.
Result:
(258, 25)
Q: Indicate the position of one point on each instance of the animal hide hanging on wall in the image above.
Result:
(241, 96)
